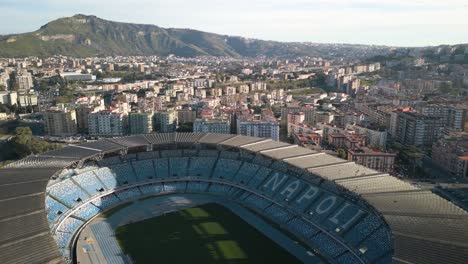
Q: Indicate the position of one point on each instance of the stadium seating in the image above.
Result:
(107, 177)
(348, 258)
(175, 186)
(201, 166)
(53, 208)
(259, 177)
(327, 245)
(89, 182)
(124, 173)
(262, 161)
(257, 202)
(197, 187)
(362, 229)
(67, 192)
(171, 153)
(278, 214)
(377, 244)
(178, 166)
(246, 156)
(302, 228)
(128, 194)
(279, 165)
(144, 169)
(87, 211)
(162, 167)
(70, 225)
(106, 202)
(151, 189)
(219, 188)
(147, 155)
(246, 172)
(109, 161)
(229, 155)
(226, 168)
(208, 153)
(62, 238)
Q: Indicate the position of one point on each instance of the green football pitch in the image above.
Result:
(208, 233)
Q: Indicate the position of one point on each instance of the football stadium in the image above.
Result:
(217, 198)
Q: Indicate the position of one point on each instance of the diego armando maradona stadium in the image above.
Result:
(335, 210)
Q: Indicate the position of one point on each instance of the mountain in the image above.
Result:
(83, 36)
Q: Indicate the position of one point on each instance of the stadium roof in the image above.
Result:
(426, 227)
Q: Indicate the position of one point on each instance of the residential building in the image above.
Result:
(60, 121)
(217, 125)
(24, 81)
(451, 153)
(186, 116)
(165, 122)
(418, 129)
(106, 123)
(374, 159)
(258, 128)
(140, 123)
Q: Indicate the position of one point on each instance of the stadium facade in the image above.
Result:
(347, 213)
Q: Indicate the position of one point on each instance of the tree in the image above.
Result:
(342, 153)
(2, 87)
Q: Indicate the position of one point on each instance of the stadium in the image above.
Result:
(318, 208)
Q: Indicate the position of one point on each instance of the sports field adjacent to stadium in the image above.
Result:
(207, 233)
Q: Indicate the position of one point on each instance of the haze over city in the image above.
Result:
(385, 22)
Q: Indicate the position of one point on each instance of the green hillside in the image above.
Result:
(83, 36)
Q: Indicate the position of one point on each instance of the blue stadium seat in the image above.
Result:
(259, 177)
(257, 202)
(197, 187)
(326, 245)
(362, 229)
(89, 182)
(87, 211)
(106, 202)
(278, 214)
(70, 225)
(208, 153)
(171, 153)
(201, 166)
(175, 186)
(67, 192)
(107, 177)
(226, 168)
(162, 167)
(302, 228)
(178, 166)
(124, 173)
(129, 194)
(144, 169)
(219, 188)
(348, 258)
(151, 189)
(246, 172)
(54, 208)
(377, 244)
(229, 155)
(62, 238)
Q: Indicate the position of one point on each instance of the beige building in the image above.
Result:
(24, 81)
(60, 122)
(140, 123)
(374, 159)
(186, 116)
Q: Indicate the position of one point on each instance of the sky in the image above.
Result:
(379, 22)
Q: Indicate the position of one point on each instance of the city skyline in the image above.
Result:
(392, 23)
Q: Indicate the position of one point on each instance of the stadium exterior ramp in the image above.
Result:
(345, 212)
